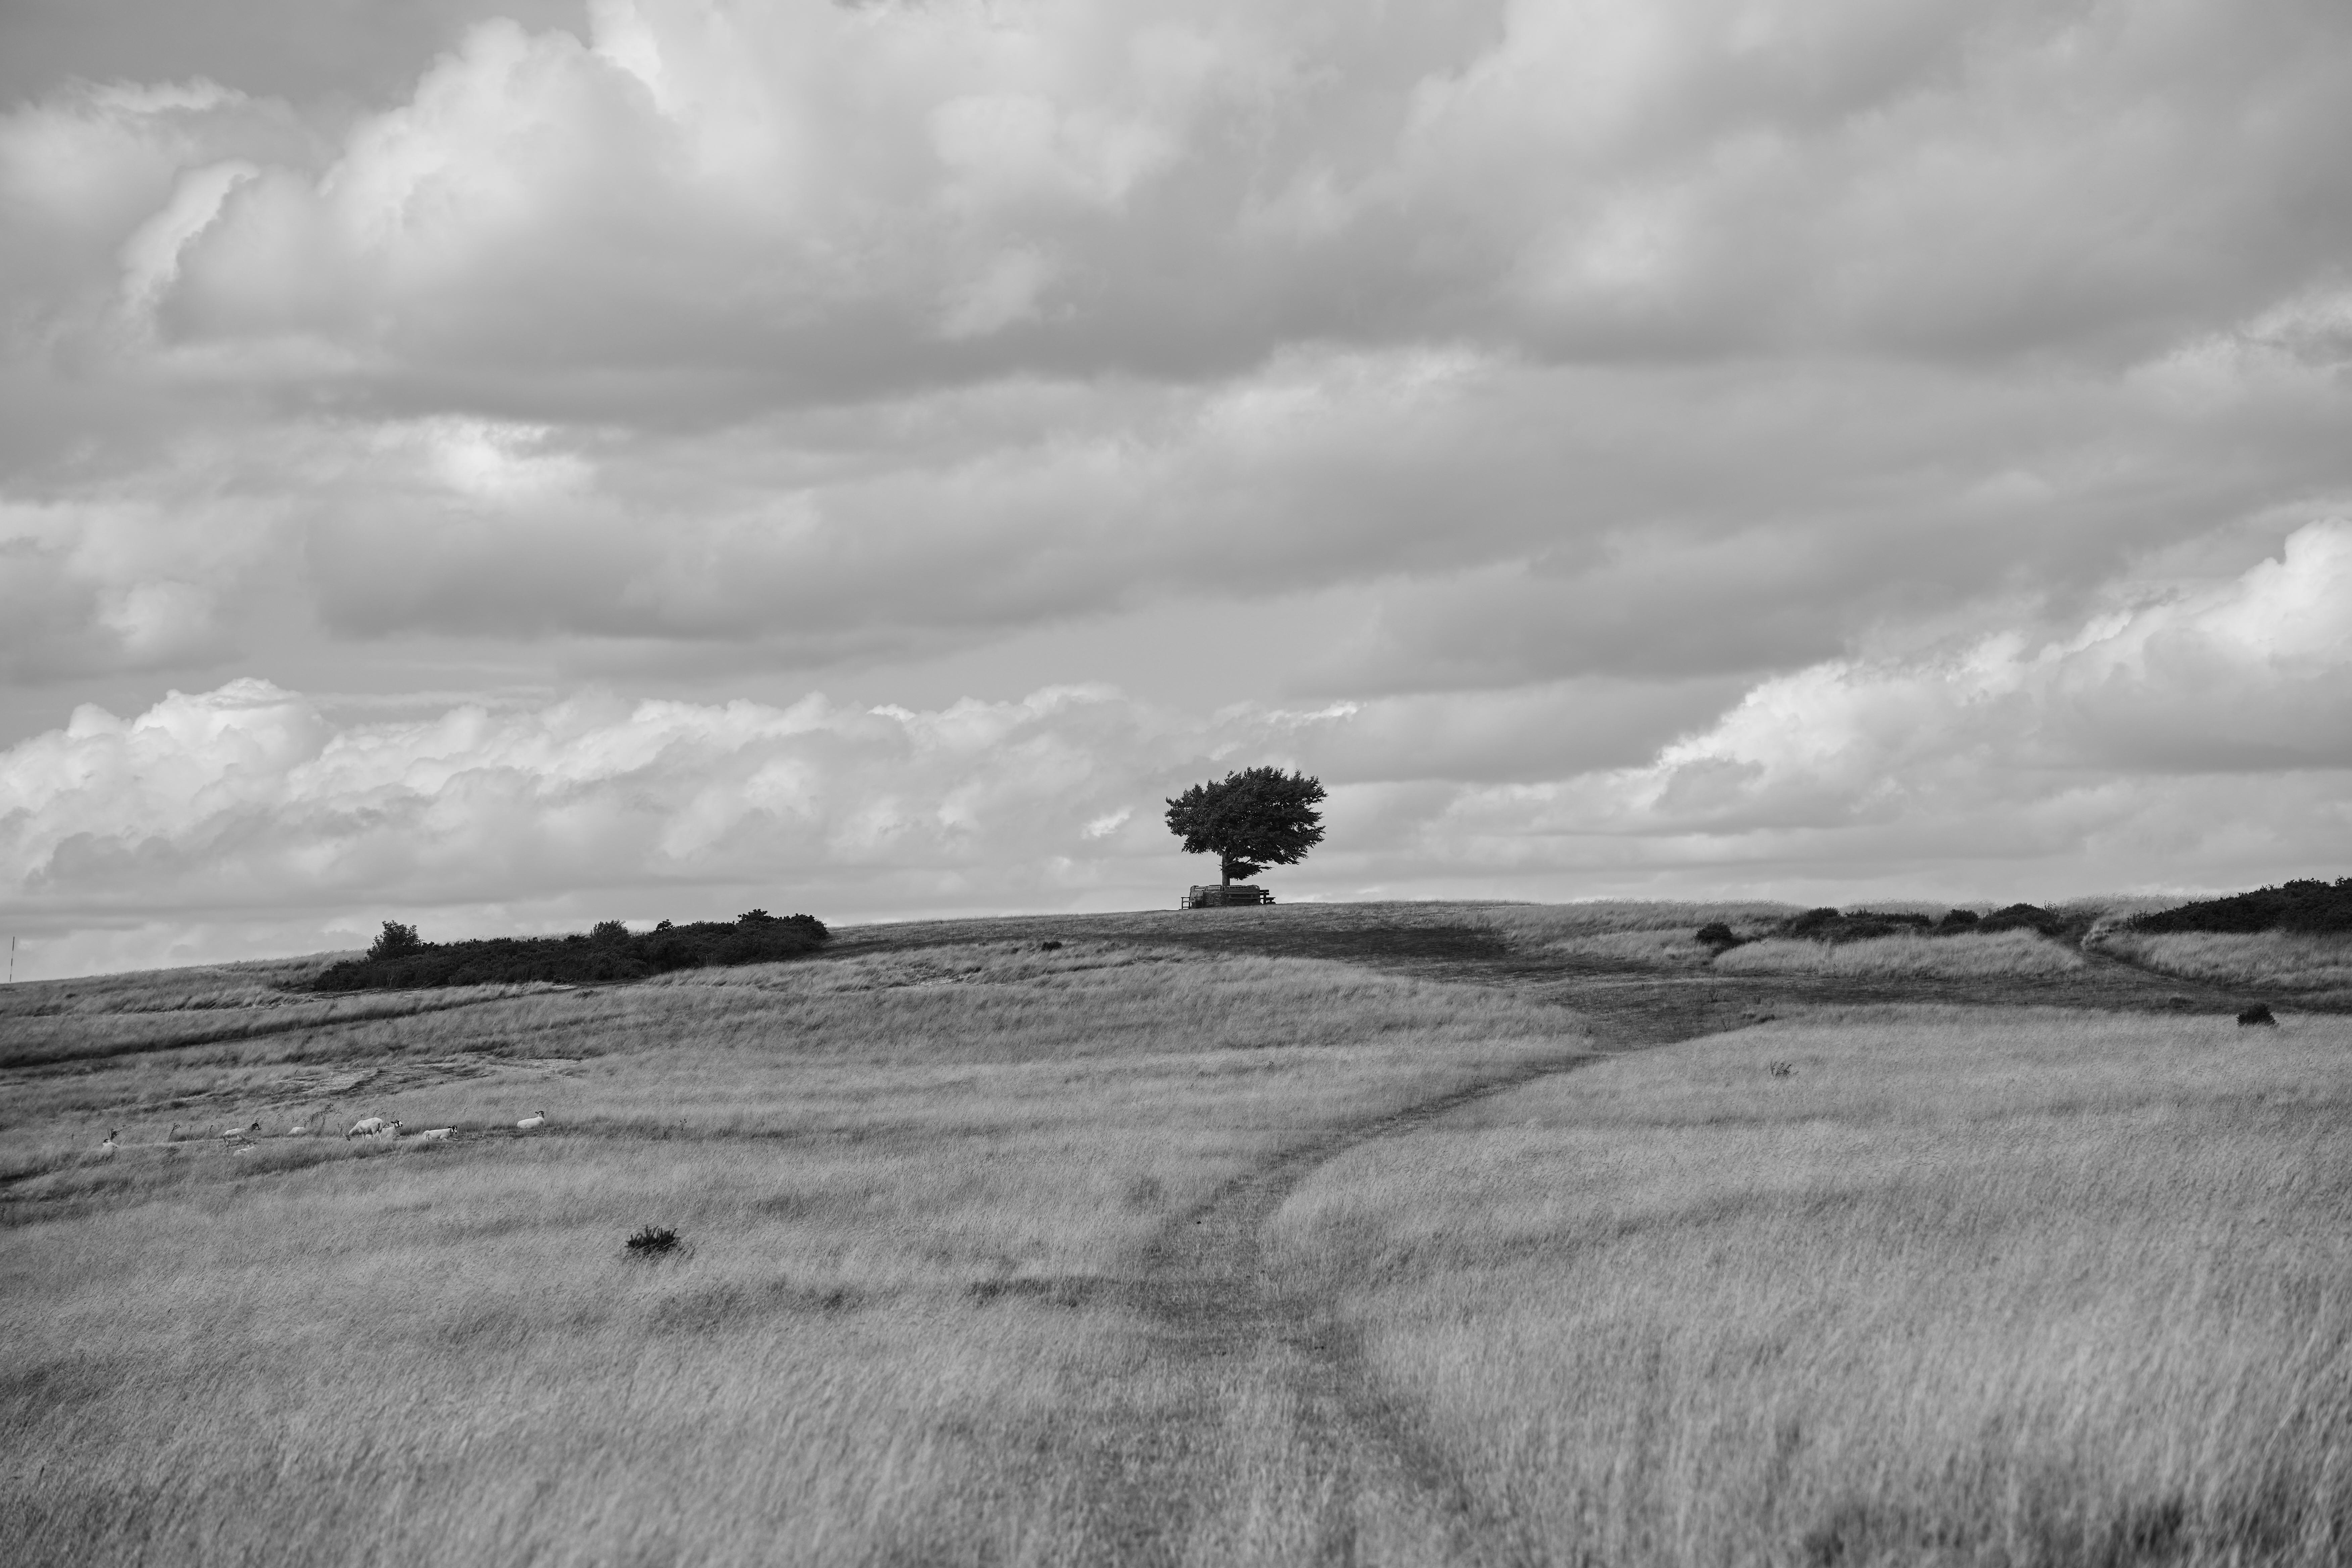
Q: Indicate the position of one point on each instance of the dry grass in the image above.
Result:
(1963, 957)
(2040, 1288)
(902, 1180)
(1612, 917)
(2281, 961)
(1967, 1288)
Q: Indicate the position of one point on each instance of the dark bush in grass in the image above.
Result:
(609, 952)
(1960, 919)
(2023, 916)
(1717, 935)
(395, 941)
(2311, 906)
(1861, 925)
(2257, 1016)
(653, 1241)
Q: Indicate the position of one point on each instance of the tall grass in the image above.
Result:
(2282, 961)
(2029, 1290)
(906, 1185)
(2008, 953)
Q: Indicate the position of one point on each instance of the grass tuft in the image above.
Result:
(652, 1242)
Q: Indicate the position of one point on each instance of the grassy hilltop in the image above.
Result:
(1387, 1233)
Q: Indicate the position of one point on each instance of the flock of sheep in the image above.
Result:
(240, 1140)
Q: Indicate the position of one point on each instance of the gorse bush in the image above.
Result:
(1869, 925)
(395, 941)
(2303, 906)
(609, 952)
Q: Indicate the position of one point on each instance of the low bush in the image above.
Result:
(1859, 925)
(611, 952)
(653, 1241)
(2306, 906)
(2023, 916)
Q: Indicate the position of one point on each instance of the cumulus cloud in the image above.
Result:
(1633, 387)
(872, 330)
(2205, 730)
(2066, 757)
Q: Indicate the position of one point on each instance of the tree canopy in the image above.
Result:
(1250, 820)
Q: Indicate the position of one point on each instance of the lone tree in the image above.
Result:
(1255, 818)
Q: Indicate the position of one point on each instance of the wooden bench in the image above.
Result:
(1218, 897)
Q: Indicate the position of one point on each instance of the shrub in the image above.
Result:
(615, 953)
(1861, 925)
(2303, 906)
(1960, 919)
(653, 1242)
(2257, 1016)
(395, 941)
(2022, 917)
(1717, 935)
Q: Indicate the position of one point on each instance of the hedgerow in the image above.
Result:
(612, 951)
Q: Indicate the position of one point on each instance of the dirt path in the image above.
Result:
(1250, 1426)
(1251, 1403)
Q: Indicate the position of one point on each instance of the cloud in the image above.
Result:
(1588, 340)
(2210, 722)
(1733, 434)
(2207, 727)
(795, 201)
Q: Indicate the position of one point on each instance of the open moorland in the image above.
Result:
(1381, 1234)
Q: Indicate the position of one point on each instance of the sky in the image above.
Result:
(504, 463)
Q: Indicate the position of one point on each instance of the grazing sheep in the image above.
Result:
(373, 1126)
(110, 1146)
(235, 1133)
(536, 1118)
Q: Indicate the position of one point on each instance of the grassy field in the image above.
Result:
(2001, 955)
(1336, 1235)
(904, 1182)
(2042, 1288)
(2263, 961)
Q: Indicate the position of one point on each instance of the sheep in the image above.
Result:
(1783, 1069)
(536, 1118)
(110, 1146)
(373, 1126)
(437, 1134)
(234, 1134)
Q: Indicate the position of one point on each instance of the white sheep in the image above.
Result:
(536, 1118)
(233, 1133)
(373, 1126)
(437, 1134)
(110, 1146)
